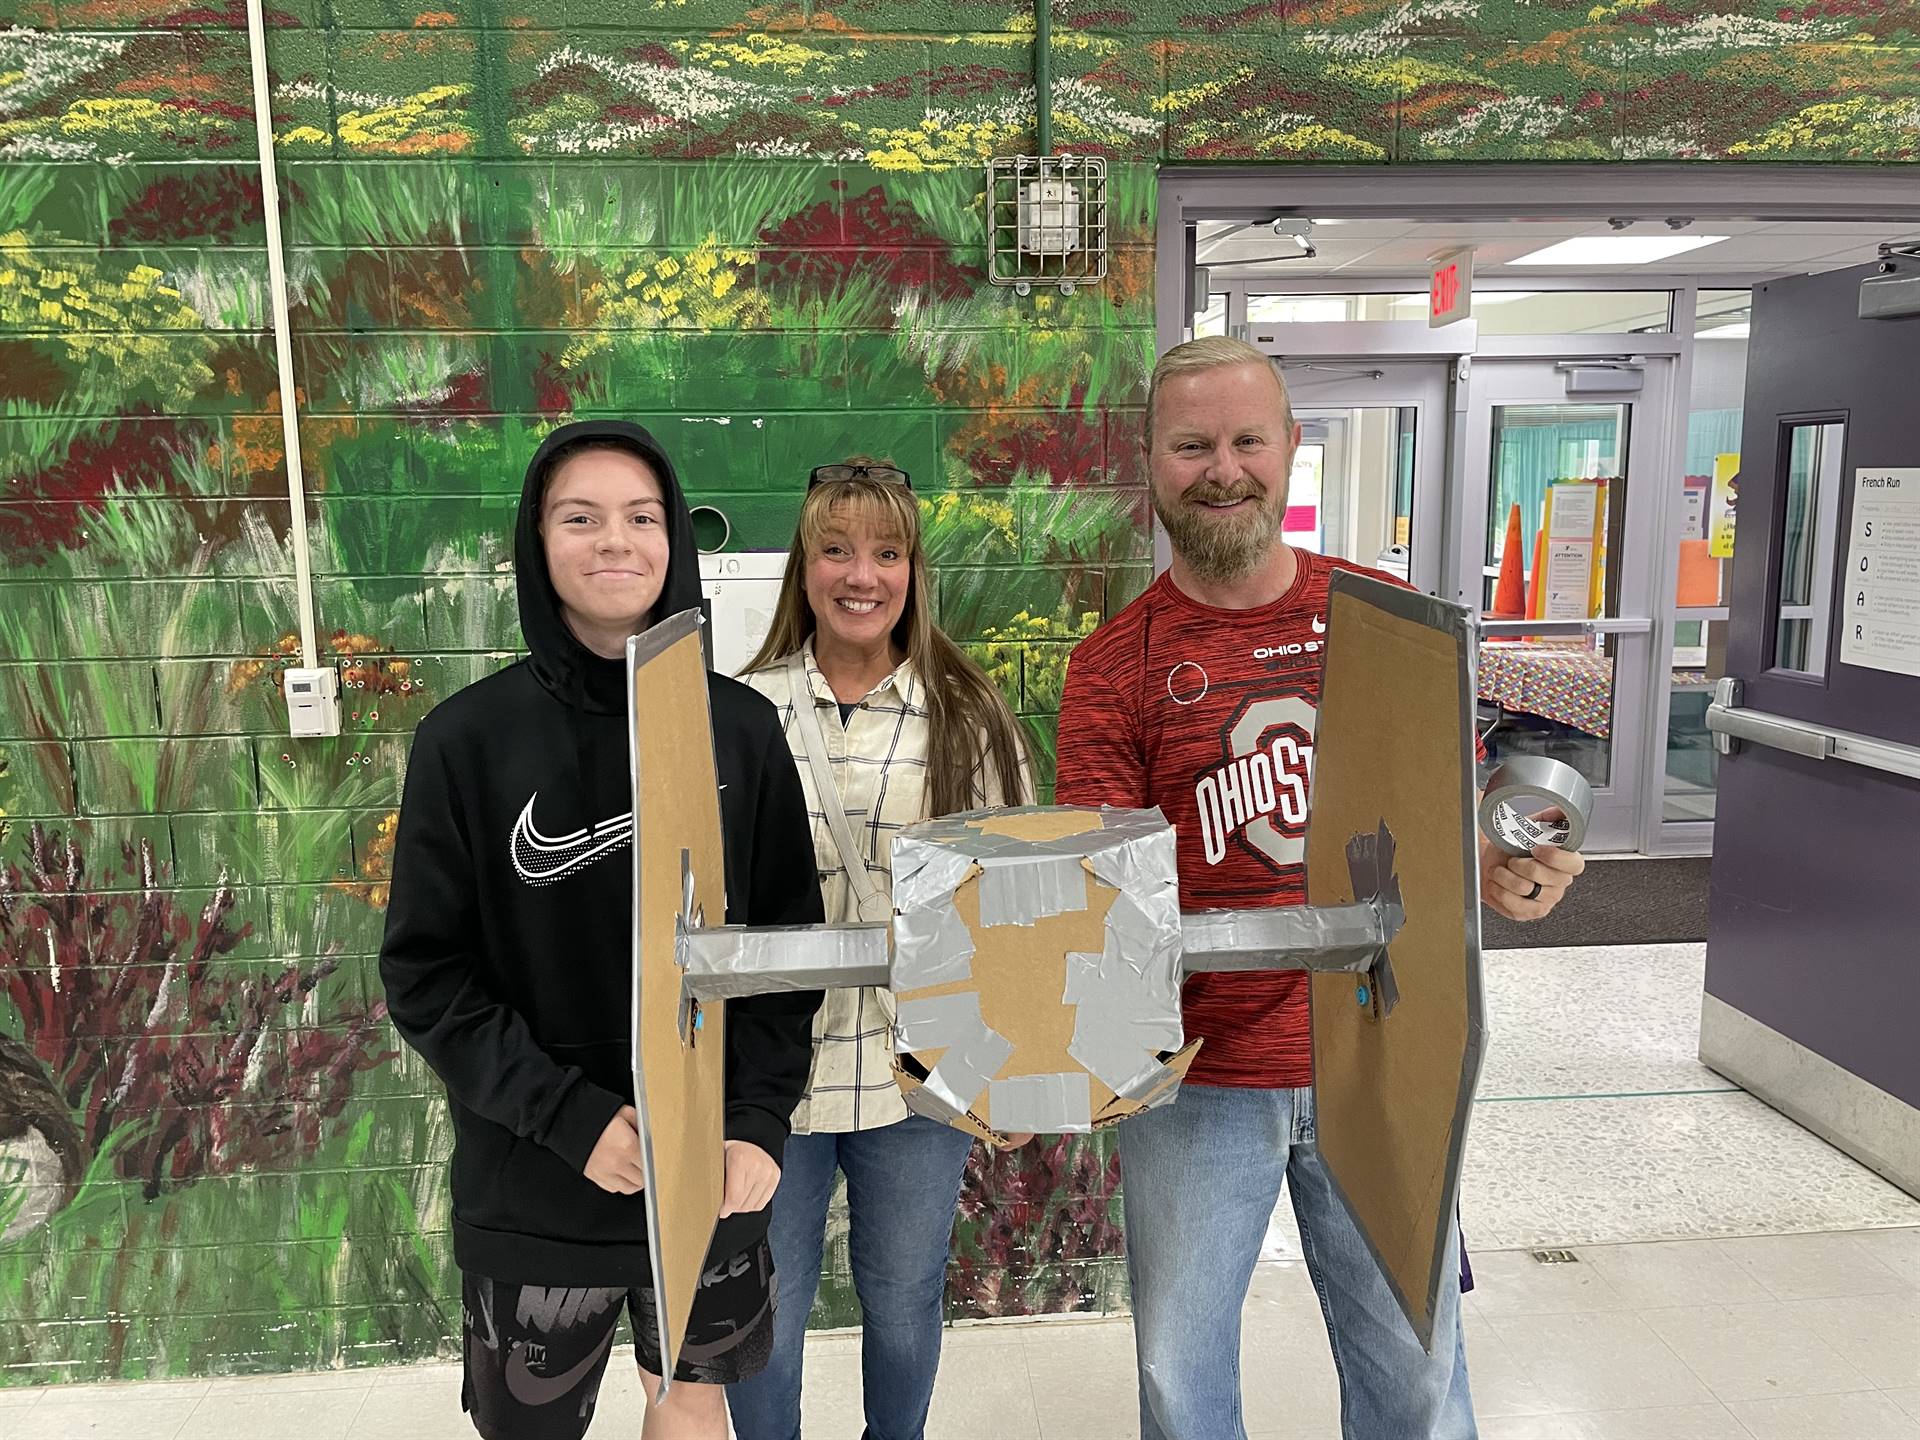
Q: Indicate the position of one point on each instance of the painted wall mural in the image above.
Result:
(758, 230)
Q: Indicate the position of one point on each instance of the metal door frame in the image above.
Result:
(1619, 804)
(1423, 383)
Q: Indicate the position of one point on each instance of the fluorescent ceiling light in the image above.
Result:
(1480, 297)
(1739, 330)
(1616, 249)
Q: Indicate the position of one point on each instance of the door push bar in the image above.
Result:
(1732, 724)
(1551, 628)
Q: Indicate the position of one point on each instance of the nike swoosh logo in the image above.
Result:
(1319, 626)
(692, 1354)
(492, 1338)
(531, 1389)
(542, 859)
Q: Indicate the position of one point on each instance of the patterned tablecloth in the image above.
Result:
(1565, 681)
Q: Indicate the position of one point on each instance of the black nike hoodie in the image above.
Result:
(508, 943)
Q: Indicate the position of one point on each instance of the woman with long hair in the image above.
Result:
(889, 723)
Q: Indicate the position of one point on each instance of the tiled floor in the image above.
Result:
(1736, 1279)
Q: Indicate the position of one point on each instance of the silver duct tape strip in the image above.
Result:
(935, 1021)
(1116, 999)
(926, 874)
(1535, 782)
(963, 833)
(1028, 889)
(1145, 861)
(1126, 999)
(730, 962)
(975, 1052)
(969, 1066)
(931, 946)
(1122, 1065)
(1044, 1104)
(1294, 937)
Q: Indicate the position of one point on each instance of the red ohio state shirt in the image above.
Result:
(1209, 714)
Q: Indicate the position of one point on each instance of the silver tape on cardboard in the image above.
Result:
(1126, 998)
(1337, 938)
(729, 962)
(931, 946)
(925, 874)
(935, 1020)
(1524, 784)
(1027, 889)
(969, 1066)
(1042, 1104)
(974, 1051)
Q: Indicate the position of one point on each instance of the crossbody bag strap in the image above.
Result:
(814, 741)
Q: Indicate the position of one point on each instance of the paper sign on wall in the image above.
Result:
(1726, 490)
(1881, 591)
(1573, 509)
(1693, 513)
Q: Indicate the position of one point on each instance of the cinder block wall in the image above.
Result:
(757, 230)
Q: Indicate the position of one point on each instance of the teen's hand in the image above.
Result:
(752, 1177)
(1018, 1138)
(1527, 888)
(614, 1164)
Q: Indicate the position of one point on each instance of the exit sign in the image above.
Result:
(1450, 288)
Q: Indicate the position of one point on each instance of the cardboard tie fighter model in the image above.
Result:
(1036, 954)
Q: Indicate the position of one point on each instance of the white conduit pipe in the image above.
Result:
(282, 333)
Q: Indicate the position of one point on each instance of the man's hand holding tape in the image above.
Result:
(1533, 816)
(1527, 887)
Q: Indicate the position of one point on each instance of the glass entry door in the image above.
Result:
(1369, 476)
(1553, 545)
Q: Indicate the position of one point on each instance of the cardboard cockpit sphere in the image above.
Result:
(1043, 991)
(1036, 969)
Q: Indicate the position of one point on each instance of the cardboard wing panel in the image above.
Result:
(1392, 1092)
(680, 1049)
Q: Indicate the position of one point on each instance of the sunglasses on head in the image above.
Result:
(885, 474)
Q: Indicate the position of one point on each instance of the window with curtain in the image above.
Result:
(1535, 445)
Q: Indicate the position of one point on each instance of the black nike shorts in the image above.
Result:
(535, 1355)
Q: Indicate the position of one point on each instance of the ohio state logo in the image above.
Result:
(1261, 791)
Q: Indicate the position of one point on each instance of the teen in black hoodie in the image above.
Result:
(507, 960)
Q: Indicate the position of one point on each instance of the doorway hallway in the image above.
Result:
(1575, 438)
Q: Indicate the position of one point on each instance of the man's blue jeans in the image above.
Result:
(1200, 1177)
(903, 1186)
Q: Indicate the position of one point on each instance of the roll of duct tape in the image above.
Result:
(1526, 784)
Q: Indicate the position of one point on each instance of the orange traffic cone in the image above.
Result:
(1510, 594)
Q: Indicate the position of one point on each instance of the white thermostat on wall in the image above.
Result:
(313, 700)
(739, 590)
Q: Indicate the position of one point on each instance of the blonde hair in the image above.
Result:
(968, 719)
(1211, 352)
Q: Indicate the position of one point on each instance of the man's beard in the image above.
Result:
(1220, 548)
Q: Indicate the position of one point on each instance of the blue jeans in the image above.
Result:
(903, 1186)
(1199, 1179)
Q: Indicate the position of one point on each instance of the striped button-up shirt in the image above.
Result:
(879, 760)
